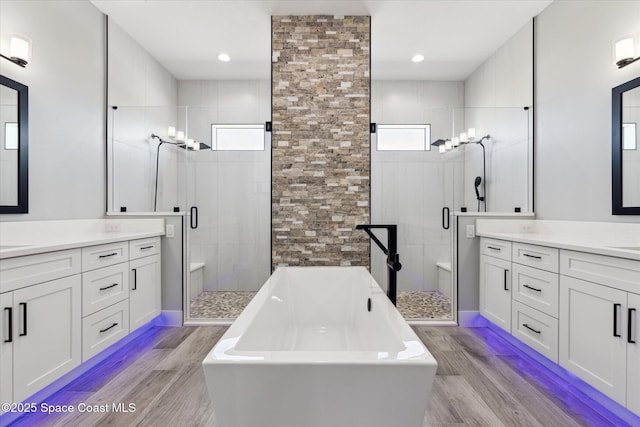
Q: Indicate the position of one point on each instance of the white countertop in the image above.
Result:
(34, 237)
(597, 245)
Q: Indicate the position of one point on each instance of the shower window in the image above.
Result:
(11, 136)
(629, 140)
(237, 137)
(404, 137)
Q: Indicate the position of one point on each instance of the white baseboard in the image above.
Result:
(169, 318)
(471, 319)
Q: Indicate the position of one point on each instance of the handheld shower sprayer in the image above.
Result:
(477, 184)
(480, 198)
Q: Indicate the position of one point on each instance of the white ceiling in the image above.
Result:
(455, 36)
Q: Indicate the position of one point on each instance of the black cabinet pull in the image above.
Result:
(194, 217)
(530, 328)
(108, 255)
(445, 216)
(532, 288)
(146, 247)
(494, 248)
(630, 325)
(532, 256)
(109, 327)
(615, 319)
(108, 287)
(135, 279)
(23, 305)
(505, 280)
(10, 324)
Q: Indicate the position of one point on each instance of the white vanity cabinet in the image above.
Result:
(47, 334)
(105, 291)
(519, 292)
(144, 300)
(592, 343)
(40, 323)
(575, 296)
(495, 291)
(144, 289)
(535, 297)
(599, 323)
(578, 309)
(60, 308)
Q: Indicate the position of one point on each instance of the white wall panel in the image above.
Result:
(575, 72)
(66, 105)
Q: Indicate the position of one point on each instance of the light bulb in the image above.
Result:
(189, 143)
(447, 145)
(456, 141)
(224, 57)
(463, 137)
(171, 131)
(180, 136)
(196, 146)
(471, 133)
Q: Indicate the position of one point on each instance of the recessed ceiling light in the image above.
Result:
(417, 58)
(224, 57)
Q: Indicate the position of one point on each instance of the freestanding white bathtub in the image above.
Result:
(308, 352)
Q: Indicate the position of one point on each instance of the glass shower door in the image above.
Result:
(228, 223)
(411, 189)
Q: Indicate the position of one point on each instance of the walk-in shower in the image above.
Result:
(227, 236)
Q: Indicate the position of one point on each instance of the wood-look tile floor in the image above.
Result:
(481, 381)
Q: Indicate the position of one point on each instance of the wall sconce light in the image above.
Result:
(465, 138)
(624, 52)
(19, 50)
(179, 139)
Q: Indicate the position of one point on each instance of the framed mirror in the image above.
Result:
(14, 143)
(625, 160)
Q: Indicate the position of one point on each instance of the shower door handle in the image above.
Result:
(194, 217)
(445, 218)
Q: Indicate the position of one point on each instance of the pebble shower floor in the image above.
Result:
(428, 305)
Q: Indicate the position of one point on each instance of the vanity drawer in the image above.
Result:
(538, 330)
(496, 248)
(104, 328)
(29, 270)
(536, 288)
(104, 286)
(620, 273)
(144, 247)
(535, 256)
(104, 255)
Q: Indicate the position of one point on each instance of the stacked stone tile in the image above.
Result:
(321, 141)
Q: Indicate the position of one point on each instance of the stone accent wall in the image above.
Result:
(321, 140)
